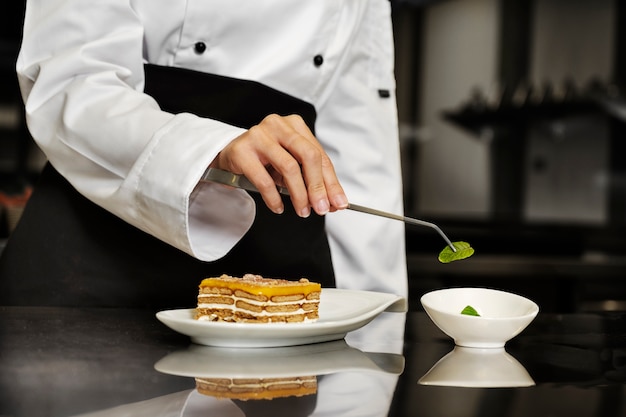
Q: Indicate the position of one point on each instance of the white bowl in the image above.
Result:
(503, 315)
(483, 368)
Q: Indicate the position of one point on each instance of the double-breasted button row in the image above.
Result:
(200, 48)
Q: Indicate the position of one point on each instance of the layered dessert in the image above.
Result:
(257, 388)
(255, 299)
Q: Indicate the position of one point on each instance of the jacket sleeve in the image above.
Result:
(80, 70)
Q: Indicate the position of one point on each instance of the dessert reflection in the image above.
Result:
(476, 367)
(257, 388)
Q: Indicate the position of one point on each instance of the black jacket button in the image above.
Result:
(318, 60)
(200, 47)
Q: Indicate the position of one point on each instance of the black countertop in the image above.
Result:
(103, 362)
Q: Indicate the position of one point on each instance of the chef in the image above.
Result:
(131, 101)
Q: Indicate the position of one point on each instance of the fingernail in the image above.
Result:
(305, 212)
(279, 210)
(322, 207)
(340, 201)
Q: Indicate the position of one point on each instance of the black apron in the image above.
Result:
(67, 251)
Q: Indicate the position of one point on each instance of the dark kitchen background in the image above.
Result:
(512, 117)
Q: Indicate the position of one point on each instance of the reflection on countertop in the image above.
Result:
(59, 362)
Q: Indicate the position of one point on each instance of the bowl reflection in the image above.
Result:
(482, 368)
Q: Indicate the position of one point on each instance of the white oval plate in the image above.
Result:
(341, 311)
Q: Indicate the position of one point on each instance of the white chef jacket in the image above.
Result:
(81, 73)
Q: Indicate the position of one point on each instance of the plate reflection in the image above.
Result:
(271, 373)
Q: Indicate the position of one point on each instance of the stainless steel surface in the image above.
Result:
(240, 181)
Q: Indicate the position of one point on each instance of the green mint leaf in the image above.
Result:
(470, 311)
(463, 250)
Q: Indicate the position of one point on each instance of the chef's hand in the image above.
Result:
(281, 150)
